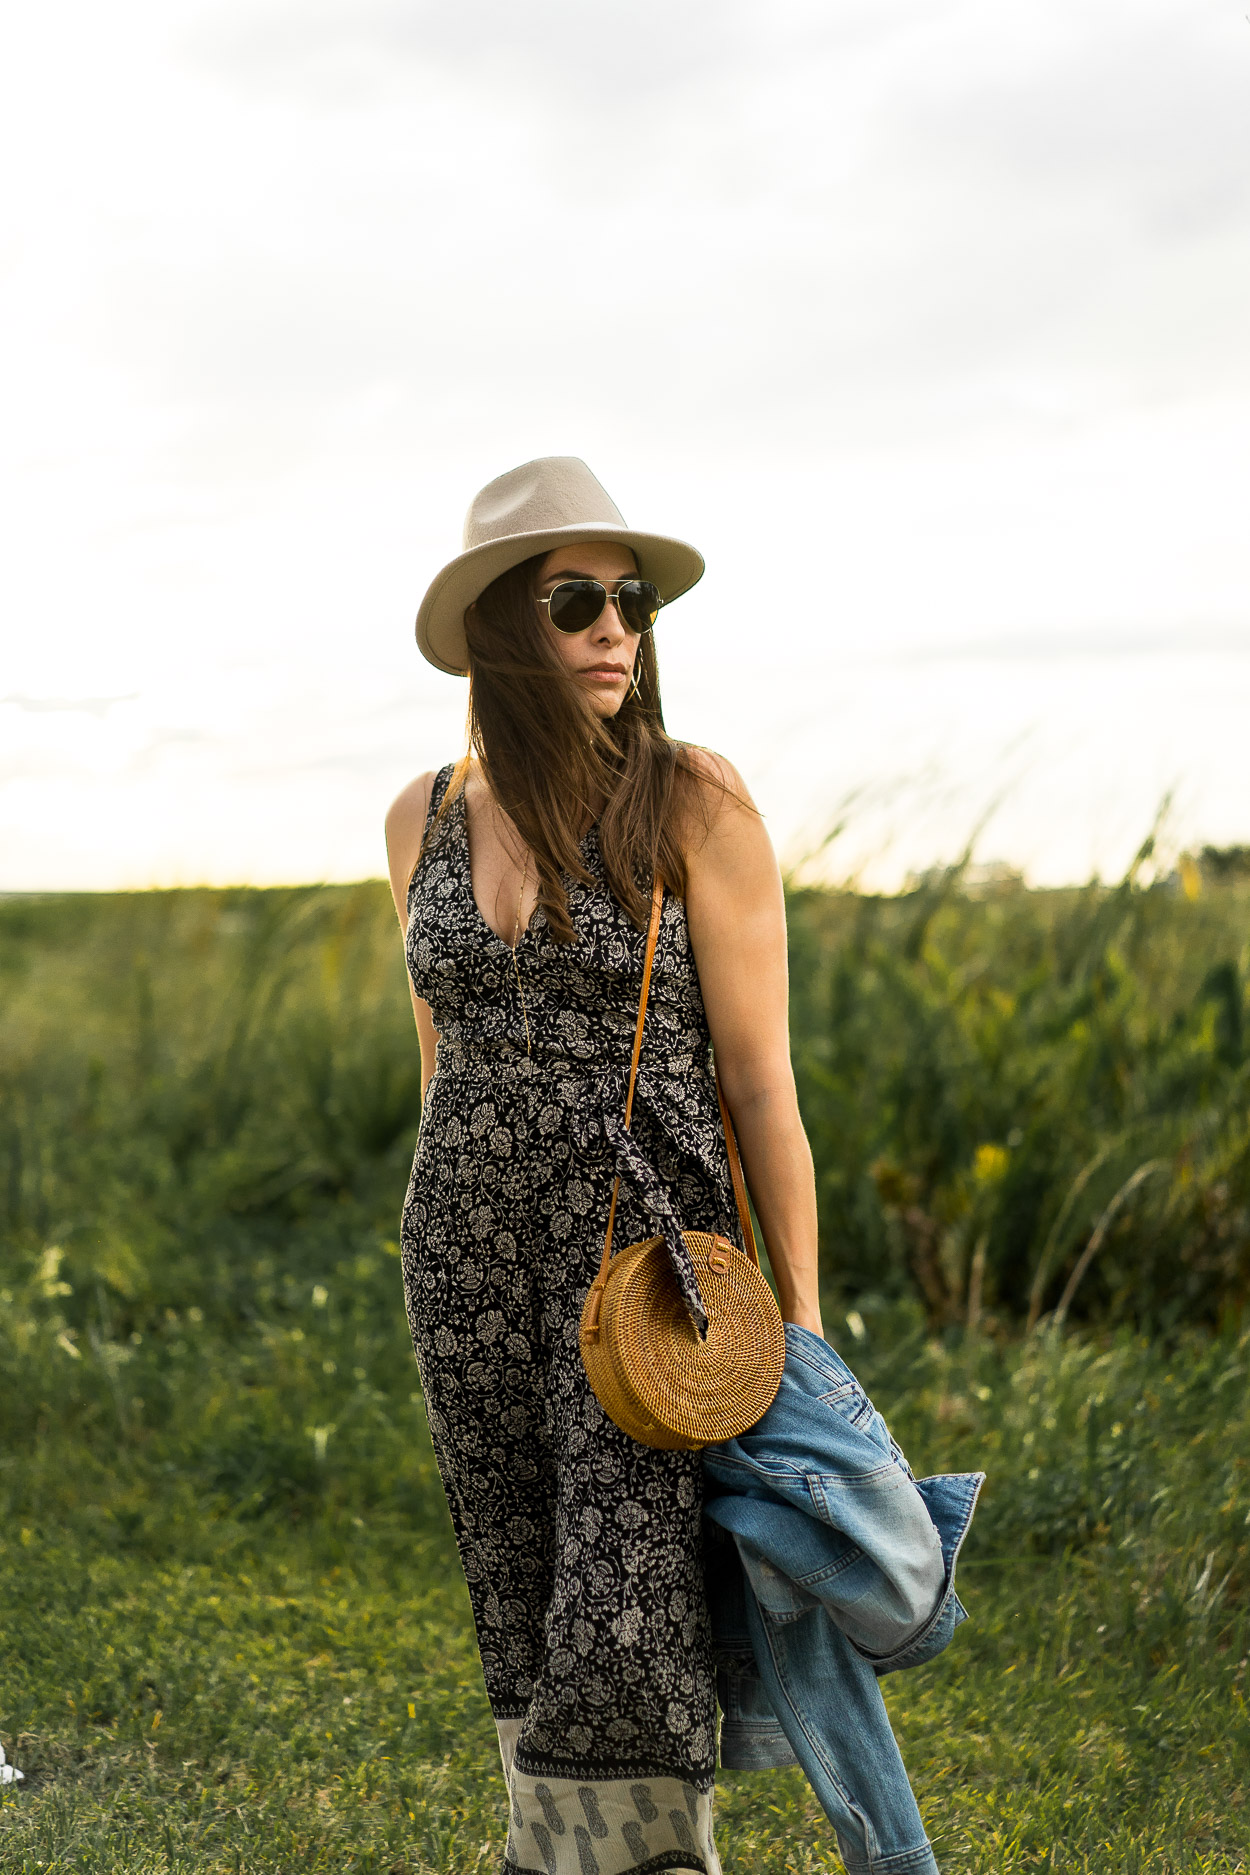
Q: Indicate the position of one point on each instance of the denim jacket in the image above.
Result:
(829, 1565)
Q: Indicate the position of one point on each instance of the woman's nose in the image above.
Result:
(610, 626)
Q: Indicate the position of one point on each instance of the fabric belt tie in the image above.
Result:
(637, 1172)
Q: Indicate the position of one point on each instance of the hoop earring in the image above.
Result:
(633, 683)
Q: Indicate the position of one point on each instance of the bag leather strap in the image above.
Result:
(735, 1173)
(731, 1140)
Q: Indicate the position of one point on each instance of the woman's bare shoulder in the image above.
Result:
(727, 838)
(405, 829)
(724, 800)
(411, 805)
(717, 772)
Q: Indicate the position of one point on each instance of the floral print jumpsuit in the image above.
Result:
(581, 1548)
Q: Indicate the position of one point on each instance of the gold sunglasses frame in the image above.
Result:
(610, 597)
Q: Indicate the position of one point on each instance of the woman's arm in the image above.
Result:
(736, 912)
(405, 829)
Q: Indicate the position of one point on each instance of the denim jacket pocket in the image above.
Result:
(781, 1597)
(852, 1405)
(851, 1401)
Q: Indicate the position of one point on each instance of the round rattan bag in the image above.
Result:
(649, 1370)
(644, 1359)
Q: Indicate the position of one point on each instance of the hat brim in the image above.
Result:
(672, 565)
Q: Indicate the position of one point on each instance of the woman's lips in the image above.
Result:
(604, 674)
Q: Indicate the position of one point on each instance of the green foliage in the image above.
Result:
(185, 1075)
(989, 1078)
(236, 1635)
(990, 1081)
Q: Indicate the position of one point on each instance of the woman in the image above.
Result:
(522, 881)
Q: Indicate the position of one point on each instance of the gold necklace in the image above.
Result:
(516, 939)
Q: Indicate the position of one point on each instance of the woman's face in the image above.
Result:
(601, 658)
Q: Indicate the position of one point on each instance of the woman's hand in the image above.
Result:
(736, 912)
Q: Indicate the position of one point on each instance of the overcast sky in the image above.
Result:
(926, 322)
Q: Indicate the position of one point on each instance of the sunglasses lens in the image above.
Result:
(639, 604)
(575, 604)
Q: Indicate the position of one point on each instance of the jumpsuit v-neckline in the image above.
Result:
(581, 1548)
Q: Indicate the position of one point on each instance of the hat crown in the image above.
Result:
(550, 492)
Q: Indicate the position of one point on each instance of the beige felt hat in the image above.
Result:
(530, 510)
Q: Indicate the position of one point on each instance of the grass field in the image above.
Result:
(235, 1637)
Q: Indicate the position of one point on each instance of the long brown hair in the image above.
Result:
(555, 768)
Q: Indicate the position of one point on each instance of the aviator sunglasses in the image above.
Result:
(576, 603)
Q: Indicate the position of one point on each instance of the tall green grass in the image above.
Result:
(1018, 1101)
(185, 1076)
(1024, 1103)
(235, 1635)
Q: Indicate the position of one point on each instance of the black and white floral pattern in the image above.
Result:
(581, 1547)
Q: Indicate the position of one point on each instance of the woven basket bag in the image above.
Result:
(648, 1368)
